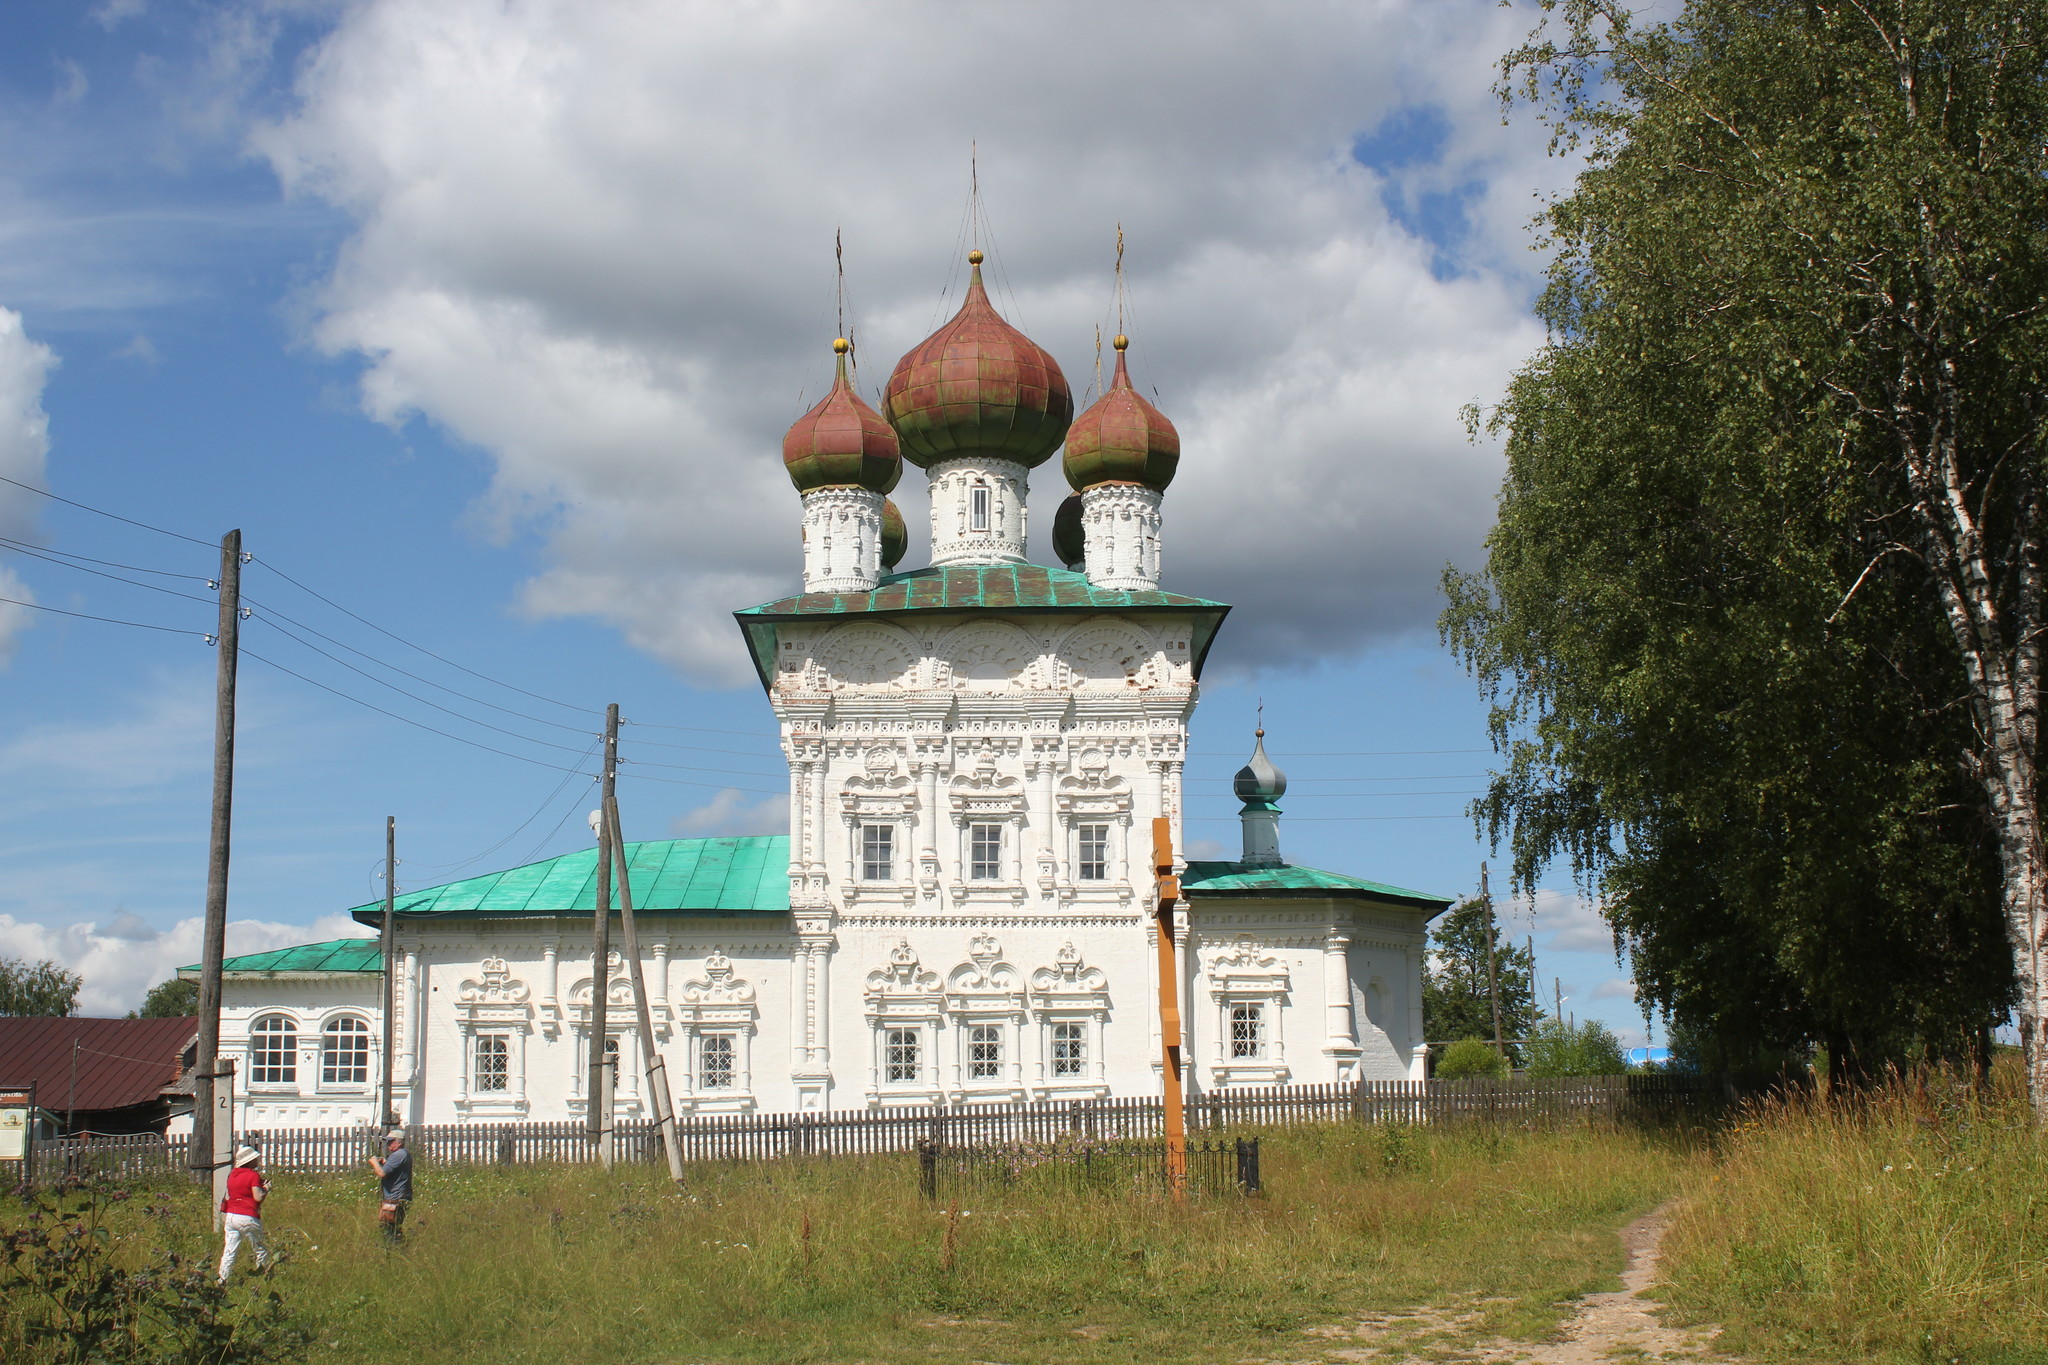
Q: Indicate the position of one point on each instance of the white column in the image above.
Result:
(1418, 1055)
(842, 540)
(659, 984)
(550, 977)
(977, 511)
(1120, 525)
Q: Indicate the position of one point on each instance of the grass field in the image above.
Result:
(840, 1260)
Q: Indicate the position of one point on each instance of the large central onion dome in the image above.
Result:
(842, 442)
(1122, 438)
(978, 386)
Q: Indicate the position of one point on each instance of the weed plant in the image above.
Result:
(1906, 1225)
(840, 1260)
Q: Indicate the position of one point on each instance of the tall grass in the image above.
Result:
(1906, 1225)
(840, 1260)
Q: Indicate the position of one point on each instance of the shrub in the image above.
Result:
(1470, 1057)
(1559, 1048)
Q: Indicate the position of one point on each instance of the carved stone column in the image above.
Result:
(1342, 1047)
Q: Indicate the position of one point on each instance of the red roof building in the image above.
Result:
(100, 1075)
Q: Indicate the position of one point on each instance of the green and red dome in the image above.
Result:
(1122, 438)
(842, 442)
(978, 386)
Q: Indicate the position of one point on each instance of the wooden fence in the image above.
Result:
(751, 1137)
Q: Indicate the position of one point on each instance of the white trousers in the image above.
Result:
(241, 1227)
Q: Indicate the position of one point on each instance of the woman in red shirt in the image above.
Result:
(242, 1211)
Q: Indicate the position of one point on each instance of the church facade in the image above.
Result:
(961, 910)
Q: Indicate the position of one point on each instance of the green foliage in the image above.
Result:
(36, 991)
(68, 1296)
(1559, 1047)
(172, 999)
(1714, 622)
(1469, 1057)
(1455, 999)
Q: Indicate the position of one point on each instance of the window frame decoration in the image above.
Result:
(986, 992)
(1093, 795)
(493, 1003)
(1243, 972)
(717, 1003)
(1083, 837)
(985, 844)
(883, 798)
(904, 994)
(621, 1030)
(274, 1052)
(356, 1030)
(718, 1062)
(984, 795)
(1070, 992)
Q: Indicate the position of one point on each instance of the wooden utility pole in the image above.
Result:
(201, 1154)
(656, 1068)
(597, 1118)
(385, 947)
(1169, 1010)
(1492, 972)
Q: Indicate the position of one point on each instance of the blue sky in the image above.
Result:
(482, 322)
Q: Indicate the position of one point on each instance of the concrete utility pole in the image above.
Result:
(1169, 1010)
(207, 1112)
(657, 1069)
(385, 946)
(597, 1117)
(1492, 973)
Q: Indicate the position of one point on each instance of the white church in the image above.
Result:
(961, 910)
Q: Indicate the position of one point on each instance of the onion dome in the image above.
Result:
(1123, 438)
(1259, 783)
(1069, 544)
(895, 539)
(842, 442)
(978, 386)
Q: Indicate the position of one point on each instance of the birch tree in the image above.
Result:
(1804, 273)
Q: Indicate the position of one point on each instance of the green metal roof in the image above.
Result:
(1012, 589)
(335, 955)
(745, 876)
(1243, 879)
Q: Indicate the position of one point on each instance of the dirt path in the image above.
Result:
(1607, 1327)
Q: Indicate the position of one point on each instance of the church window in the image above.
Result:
(715, 1070)
(1069, 1049)
(985, 852)
(899, 1056)
(493, 1062)
(273, 1051)
(878, 852)
(985, 1052)
(1092, 864)
(345, 1052)
(1248, 1031)
(977, 508)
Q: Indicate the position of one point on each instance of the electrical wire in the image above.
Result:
(1321, 819)
(414, 696)
(111, 564)
(1363, 753)
(694, 729)
(14, 548)
(714, 786)
(552, 701)
(692, 768)
(520, 828)
(110, 620)
(372, 706)
(1341, 796)
(102, 512)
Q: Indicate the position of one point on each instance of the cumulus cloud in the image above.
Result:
(24, 442)
(123, 959)
(732, 813)
(595, 242)
(1560, 921)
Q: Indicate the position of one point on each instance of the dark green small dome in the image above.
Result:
(895, 539)
(1069, 544)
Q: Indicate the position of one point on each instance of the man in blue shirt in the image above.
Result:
(394, 1190)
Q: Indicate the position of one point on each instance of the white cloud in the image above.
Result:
(595, 242)
(24, 443)
(1615, 988)
(121, 961)
(1560, 921)
(730, 813)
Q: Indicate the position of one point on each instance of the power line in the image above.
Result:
(692, 768)
(19, 549)
(1340, 796)
(697, 748)
(520, 828)
(695, 729)
(538, 763)
(1360, 777)
(445, 710)
(572, 706)
(102, 512)
(714, 786)
(1365, 753)
(1314, 819)
(112, 621)
(111, 564)
(382, 663)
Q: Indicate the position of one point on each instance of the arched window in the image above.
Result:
(345, 1052)
(273, 1051)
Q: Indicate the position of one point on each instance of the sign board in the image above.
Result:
(17, 1118)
